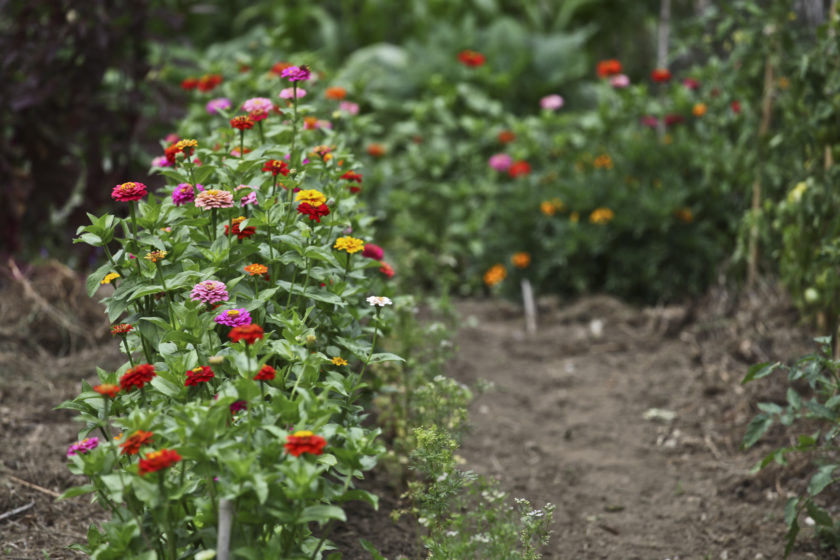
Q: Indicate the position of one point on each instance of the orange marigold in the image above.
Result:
(496, 274)
(256, 269)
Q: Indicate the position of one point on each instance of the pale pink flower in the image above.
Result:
(349, 107)
(500, 162)
(289, 93)
(258, 104)
(619, 81)
(214, 198)
(551, 102)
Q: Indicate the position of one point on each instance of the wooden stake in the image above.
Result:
(530, 307)
(766, 116)
(225, 523)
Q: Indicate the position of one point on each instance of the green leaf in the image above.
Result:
(820, 411)
(821, 479)
(370, 548)
(760, 370)
(165, 386)
(818, 514)
(757, 427)
(77, 491)
(322, 513)
(794, 399)
(385, 357)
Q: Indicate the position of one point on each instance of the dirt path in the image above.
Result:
(566, 424)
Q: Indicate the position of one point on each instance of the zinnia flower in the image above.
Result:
(242, 122)
(236, 406)
(661, 75)
(551, 102)
(521, 260)
(234, 318)
(736, 106)
(276, 167)
(315, 213)
(240, 234)
(201, 374)
(339, 361)
(471, 58)
(353, 176)
(547, 208)
(215, 105)
(506, 137)
(619, 81)
(182, 194)
(691, 83)
(132, 444)
(349, 107)
(256, 269)
(376, 150)
(311, 196)
(128, 192)
(155, 256)
(379, 301)
(137, 376)
(349, 244)
(214, 198)
(107, 390)
(249, 333)
(650, 121)
(109, 278)
(189, 83)
(122, 328)
(387, 270)
(601, 216)
(208, 82)
(250, 198)
(500, 162)
(604, 161)
(210, 291)
(519, 168)
(266, 373)
(296, 73)
(258, 104)
(699, 109)
(609, 67)
(372, 251)
(335, 92)
(494, 275)
(82, 447)
(158, 460)
(304, 441)
(160, 161)
(290, 93)
(278, 67)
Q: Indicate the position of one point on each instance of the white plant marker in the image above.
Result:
(530, 307)
(225, 522)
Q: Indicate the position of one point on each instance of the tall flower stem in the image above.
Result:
(294, 120)
(127, 350)
(347, 267)
(213, 219)
(241, 143)
(134, 231)
(172, 320)
(358, 382)
(170, 529)
(262, 136)
(230, 238)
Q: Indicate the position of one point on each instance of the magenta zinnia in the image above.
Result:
(296, 73)
(128, 192)
(182, 194)
(82, 447)
(209, 291)
(234, 318)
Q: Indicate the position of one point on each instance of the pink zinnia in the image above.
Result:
(501, 162)
(258, 104)
(250, 198)
(650, 120)
(209, 291)
(551, 102)
(236, 406)
(214, 198)
(619, 81)
(82, 447)
(296, 73)
(372, 251)
(349, 107)
(289, 93)
(128, 192)
(182, 194)
(691, 83)
(234, 318)
(160, 161)
(215, 105)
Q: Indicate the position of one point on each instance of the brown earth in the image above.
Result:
(565, 424)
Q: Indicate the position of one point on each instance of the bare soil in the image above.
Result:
(565, 424)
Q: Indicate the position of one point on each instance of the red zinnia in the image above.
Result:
(158, 460)
(208, 82)
(661, 75)
(353, 176)
(671, 120)
(278, 67)
(609, 67)
(242, 122)
(276, 167)
(387, 270)
(314, 212)
(201, 374)
(248, 333)
(736, 106)
(304, 442)
(376, 150)
(122, 328)
(107, 389)
(170, 153)
(241, 234)
(189, 83)
(128, 192)
(132, 444)
(471, 58)
(506, 136)
(519, 168)
(137, 376)
(266, 373)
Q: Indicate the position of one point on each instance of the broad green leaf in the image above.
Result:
(821, 479)
(756, 428)
(760, 370)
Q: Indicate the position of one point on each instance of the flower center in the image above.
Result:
(233, 313)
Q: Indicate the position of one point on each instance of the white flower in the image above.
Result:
(381, 301)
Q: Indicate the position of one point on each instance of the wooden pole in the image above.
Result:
(225, 523)
(766, 116)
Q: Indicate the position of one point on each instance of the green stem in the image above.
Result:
(274, 187)
(262, 136)
(213, 219)
(136, 240)
(230, 237)
(347, 267)
(358, 382)
(241, 143)
(127, 350)
(172, 320)
(294, 121)
(170, 529)
(146, 350)
(291, 288)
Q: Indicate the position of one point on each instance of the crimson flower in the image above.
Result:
(276, 167)
(133, 443)
(189, 83)
(248, 333)
(353, 176)
(315, 213)
(158, 460)
(519, 168)
(137, 376)
(470, 58)
(661, 75)
(609, 67)
(201, 374)
(241, 234)
(304, 442)
(266, 373)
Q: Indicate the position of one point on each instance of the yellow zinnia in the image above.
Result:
(311, 197)
(349, 244)
(601, 216)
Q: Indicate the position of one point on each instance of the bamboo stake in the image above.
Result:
(225, 523)
(530, 307)
(766, 117)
